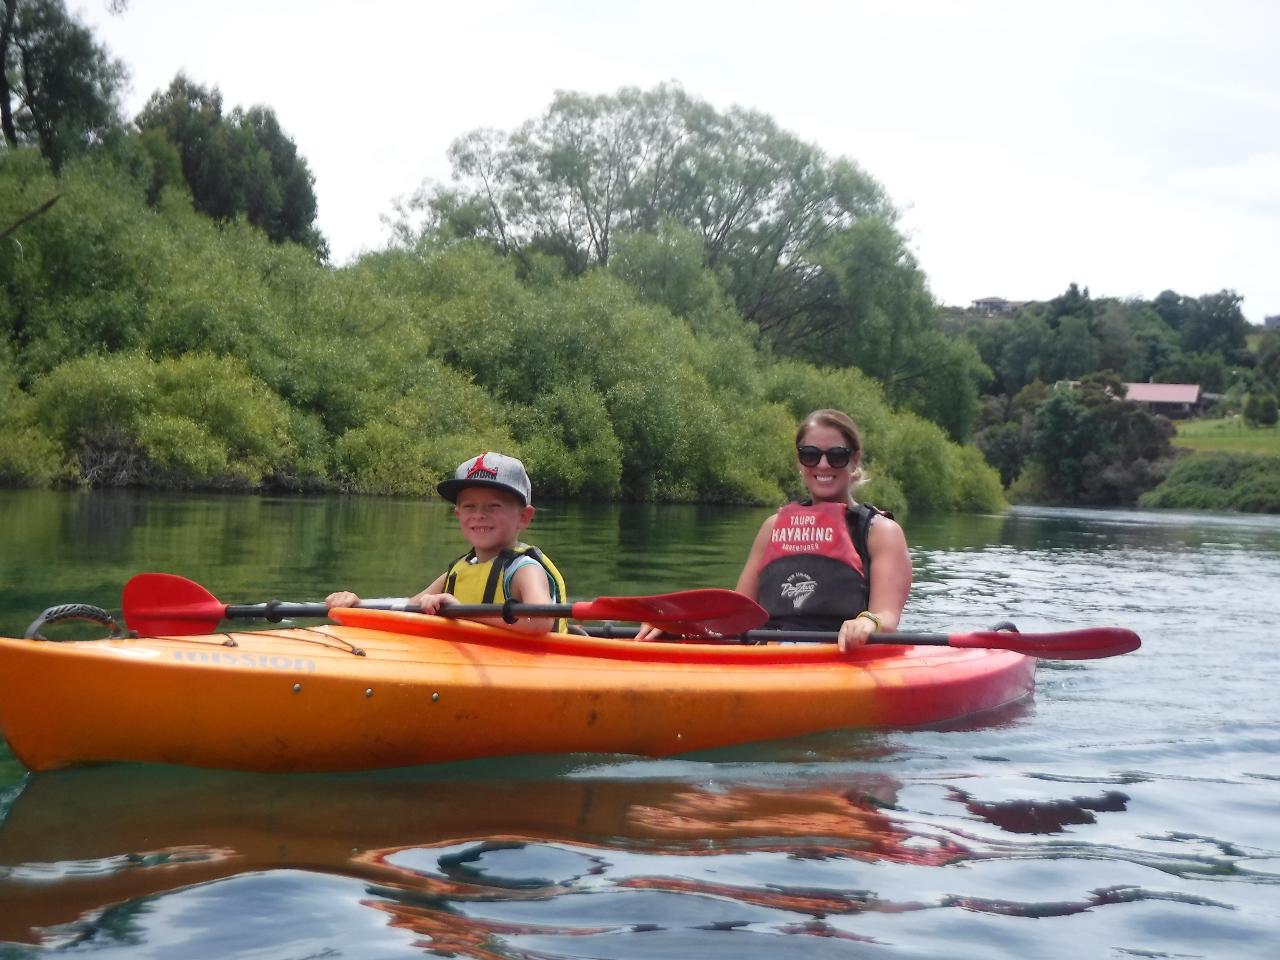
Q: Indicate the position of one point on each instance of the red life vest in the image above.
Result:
(813, 576)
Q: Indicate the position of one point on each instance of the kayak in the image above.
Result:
(382, 689)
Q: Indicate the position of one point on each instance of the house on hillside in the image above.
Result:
(1174, 400)
(1272, 322)
(997, 305)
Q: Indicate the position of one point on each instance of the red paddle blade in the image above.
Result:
(1087, 644)
(711, 612)
(162, 604)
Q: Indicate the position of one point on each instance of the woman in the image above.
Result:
(828, 562)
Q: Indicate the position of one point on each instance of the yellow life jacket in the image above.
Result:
(488, 582)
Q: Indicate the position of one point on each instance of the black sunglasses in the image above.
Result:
(837, 457)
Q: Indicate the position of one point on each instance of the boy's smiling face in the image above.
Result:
(491, 519)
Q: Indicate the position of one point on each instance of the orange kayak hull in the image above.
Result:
(386, 690)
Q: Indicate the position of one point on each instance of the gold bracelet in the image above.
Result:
(869, 616)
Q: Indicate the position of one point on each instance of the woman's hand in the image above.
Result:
(341, 598)
(648, 631)
(854, 633)
(431, 602)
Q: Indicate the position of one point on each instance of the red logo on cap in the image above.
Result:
(488, 473)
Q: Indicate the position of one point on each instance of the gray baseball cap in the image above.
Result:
(488, 470)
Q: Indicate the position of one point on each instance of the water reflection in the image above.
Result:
(1043, 816)
(118, 856)
(76, 841)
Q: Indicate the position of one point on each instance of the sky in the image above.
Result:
(1126, 146)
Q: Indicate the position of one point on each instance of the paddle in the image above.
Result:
(1090, 643)
(159, 604)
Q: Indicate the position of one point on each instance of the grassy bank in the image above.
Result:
(1228, 435)
(1232, 467)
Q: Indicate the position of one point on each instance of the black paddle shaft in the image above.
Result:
(273, 611)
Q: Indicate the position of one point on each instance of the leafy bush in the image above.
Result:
(1220, 481)
(803, 388)
(1032, 486)
(569, 445)
(909, 461)
(975, 486)
(195, 421)
(28, 456)
(76, 279)
(385, 458)
(1260, 410)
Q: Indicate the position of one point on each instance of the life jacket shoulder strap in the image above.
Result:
(496, 570)
(451, 572)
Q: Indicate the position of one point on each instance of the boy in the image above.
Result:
(491, 495)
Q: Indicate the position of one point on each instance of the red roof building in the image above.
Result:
(1171, 399)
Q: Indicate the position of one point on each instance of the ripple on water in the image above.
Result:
(284, 913)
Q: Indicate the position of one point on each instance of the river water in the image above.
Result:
(1131, 809)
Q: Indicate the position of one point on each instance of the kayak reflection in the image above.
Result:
(77, 841)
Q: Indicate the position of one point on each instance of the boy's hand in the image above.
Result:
(648, 631)
(341, 598)
(432, 602)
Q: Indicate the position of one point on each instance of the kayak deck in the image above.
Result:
(352, 697)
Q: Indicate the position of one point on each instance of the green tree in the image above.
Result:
(1216, 325)
(1006, 429)
(1269, 413)
(1212, 323)
(1004, 445)
(1114, 327)
(279, 191)
(1073, 303)
(1073, 350)
(58, 88)
(1260, 409)
(870, 303)
(1268, 368)
(190, 118)
(943, 383)
(762, 201)
(79, 280)
(1156, 347)
(665, 267)
(1069, 442)
(239, 164)
(1024, 354)
(1092, 446)
(1173, 308)
(1209, 370)
(806, 247)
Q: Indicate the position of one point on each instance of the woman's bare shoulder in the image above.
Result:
(884, 529)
